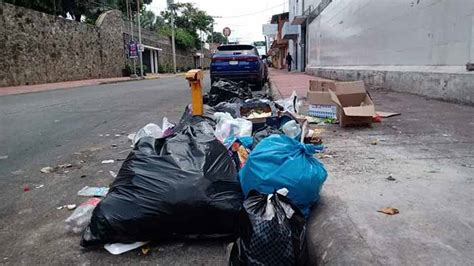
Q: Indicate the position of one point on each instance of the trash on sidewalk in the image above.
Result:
(282, 162)
(113, 174)
(314, 136)
(93, 191)
(26, 188)
(229, 127)
(355, 108)
(47, 170)
(71, 206)
(181, 185)
(227, 91)
(3, 157)
(264, 132)
(374, 142)
(271, 232)
(319, 99)
(119, 248)
(107, 161)
(290, 104)
(81, 216)
(389, 211)
(386, 114)
(292, 129)
(154, 131)
(39, 186)
(391, 178)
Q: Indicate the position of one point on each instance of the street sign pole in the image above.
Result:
(139, 39)
(170, 2)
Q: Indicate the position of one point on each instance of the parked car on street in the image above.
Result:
(239, 62)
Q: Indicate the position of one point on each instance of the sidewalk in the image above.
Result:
(428, 150)
(74, 84)
(286, 82)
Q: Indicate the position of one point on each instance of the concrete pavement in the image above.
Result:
(429, 151)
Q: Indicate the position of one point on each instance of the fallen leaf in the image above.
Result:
(145, 250)
(389, 211)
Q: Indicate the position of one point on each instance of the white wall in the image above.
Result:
(393, 32)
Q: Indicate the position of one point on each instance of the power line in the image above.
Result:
(254, 13)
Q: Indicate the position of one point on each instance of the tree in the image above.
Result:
(188, 21)
(91, 9)
(216, 37)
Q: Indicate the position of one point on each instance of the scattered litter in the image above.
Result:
(117, 135)
(114, 145)
(145, 250)
(389, 211)
(232, 128)
(272, 232)
(77, 153)
(66, 172)
(119, 248)
(374, 142)
(18, 172)
(101, 135)
(131, 136)
(292, 129)
(93, 191)
(113, 174)
(26, 188)
(40, 186)
(81, 216)
(290, 104)
(107, 135)
(107, 161)
(386, 114)
(391, 178)
(47, 170)
(71, 206)
(3, 157)
(82, 176)
(468, 165)
(59, 208)
(323, 156)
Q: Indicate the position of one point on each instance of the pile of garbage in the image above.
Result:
(241, 170)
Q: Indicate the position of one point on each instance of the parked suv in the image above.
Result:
(239, 62)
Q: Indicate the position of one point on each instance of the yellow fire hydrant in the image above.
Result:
(194, 76)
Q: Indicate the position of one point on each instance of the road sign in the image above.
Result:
(226, 31)
(132, 50)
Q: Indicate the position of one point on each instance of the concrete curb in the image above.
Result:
(274, 90)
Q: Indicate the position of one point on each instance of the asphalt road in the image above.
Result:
(82, 127)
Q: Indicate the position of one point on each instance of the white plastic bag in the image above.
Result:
(81, 216)
(153, 130)
(233, 128)
(290, 104)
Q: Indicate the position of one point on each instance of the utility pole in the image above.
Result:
(139, 38)
(129, 15)
(202, 51)
(170, 3)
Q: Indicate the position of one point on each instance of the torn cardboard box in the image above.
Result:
(319, 99)
(354, 104)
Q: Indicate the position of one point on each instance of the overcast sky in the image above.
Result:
(243, 17)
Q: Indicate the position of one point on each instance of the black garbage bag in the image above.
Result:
(227, 91)
(186, 184)
(233, 108)
(272, 232)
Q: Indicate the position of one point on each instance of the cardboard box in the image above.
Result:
(322, 85)
(319, 99)
(354, 104)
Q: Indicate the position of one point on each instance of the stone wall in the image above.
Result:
(38, 48)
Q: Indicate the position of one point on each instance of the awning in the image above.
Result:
(299, 20)
(152, 48)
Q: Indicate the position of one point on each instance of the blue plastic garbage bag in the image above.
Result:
(281, 162)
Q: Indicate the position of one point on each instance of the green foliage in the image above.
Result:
(216, 37)
(91, 9)
(188, 20)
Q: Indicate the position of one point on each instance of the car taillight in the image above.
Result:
(250, 59)
(219, 59)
